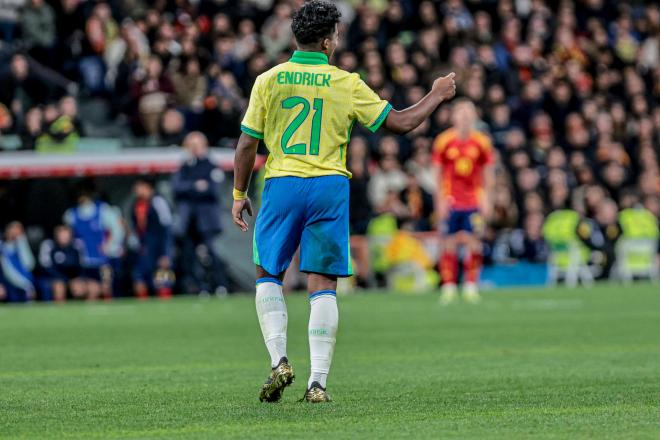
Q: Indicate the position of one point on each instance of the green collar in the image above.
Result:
(303, 57)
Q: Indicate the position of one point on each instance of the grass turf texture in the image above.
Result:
(523, 364)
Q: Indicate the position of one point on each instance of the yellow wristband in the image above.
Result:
(240, 195)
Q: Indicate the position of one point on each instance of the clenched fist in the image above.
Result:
(445, 86)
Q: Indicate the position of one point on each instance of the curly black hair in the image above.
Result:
(314, 21)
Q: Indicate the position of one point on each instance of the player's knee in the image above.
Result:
(449, 245)
(317, 281)
(474, 244)
(262, 273)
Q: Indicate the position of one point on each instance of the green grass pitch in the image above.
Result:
(547, 363)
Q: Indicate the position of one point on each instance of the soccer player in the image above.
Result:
(99, 228)
(304, 110)
(151, 221)
(16, 264)
(60, 259)
(462, 156)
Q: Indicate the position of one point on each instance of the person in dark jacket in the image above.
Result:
(20, 89)
(151, 219)
(195, 187)
(60, 260)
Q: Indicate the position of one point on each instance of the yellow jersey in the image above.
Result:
(304, 111)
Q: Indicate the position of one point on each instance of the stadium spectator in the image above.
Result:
(150, 92)
(60, 259)
(151, 221)
(59, 127)
(100, 32)
(171, 128)
(527, 244)
(386, 183)
(20, 89)
(421, 166)
(360, 211)
(68, 106)
(38, 30)
(98, 227)
(276, 31)
(605, 233)
(190, 88)
(6, 119)
(9, 17)
(195, 187)
(17, 263)
(416, 206)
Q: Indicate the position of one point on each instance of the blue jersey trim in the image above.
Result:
(269, 280)
(321, 293)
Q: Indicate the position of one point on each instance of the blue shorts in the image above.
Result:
(101, 273)
(311, 212)
(468, 220)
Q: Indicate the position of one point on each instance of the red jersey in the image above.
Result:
(462, 162)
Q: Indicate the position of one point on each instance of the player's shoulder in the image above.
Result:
(482, 139)
(443, 138)
(352, 78)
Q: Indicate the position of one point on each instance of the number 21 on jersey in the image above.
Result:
(315, 138)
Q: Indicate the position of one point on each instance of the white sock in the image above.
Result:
(323, 320)
(271, 311)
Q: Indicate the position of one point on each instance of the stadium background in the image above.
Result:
(568, 91)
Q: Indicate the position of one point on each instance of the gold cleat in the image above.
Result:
(316, 394)
(280, 377)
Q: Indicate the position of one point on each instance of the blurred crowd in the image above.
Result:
(568, 91)
(98, 250)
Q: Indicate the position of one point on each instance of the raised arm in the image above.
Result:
(403, 121)
(246, 151)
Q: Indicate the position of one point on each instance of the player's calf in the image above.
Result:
(472, 267)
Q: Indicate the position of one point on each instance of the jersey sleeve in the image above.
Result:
(255, 116)
(368, 109)
(486, 149)
(439, 146)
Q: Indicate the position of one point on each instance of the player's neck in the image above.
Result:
(314, 48)
(463, 133)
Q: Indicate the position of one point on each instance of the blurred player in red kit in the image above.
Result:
(462, 156)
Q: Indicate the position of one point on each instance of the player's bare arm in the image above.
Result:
(246, 152)
(403, 121)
